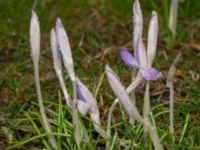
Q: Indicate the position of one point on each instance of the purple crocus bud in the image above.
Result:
(137, 24)
(122, 95)
(128, 58)
(65, 48)
(55, 51)
(152, 38)
(35, 37)
(87, 101)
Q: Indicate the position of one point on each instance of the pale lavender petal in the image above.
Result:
(137, 24)
(152, 38)
(151, 74)
(141, 54)
(55, 51)
(85, 95)
(122, 95)
(128, 58)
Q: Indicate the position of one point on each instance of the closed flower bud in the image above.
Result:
(122, 95)
(65, 48)
(35, 37)
(88, 102)
(55, 51)
(152, 38)
(137, 23)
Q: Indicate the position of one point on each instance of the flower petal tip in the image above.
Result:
(154, 13)
(58, 22)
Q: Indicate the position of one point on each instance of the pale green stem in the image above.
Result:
(146, 107)
(133, 96)
(146, 114)
(42, 110)
(109, 121)
(155, 138)
(62, 84)
(75, 118)
(134, 84)
(171, 110)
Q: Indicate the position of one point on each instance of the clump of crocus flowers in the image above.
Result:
(83, 100)
(142, 61)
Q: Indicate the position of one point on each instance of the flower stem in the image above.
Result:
(146, 107)
(42, 110)
(171, 109)
(154, 136)
(75, 118)
(109, 122)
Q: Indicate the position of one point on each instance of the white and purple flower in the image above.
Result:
(143, 59)
(87, 103)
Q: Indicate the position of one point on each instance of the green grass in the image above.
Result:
(103, 27)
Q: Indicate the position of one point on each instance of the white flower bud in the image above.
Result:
(152, 38)
(65, 48)
(122, 95)
(35, 37)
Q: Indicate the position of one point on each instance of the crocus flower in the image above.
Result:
(65, 48)
(35, 37)
(58, 64)
(87, 103)
(122, 95)
(35, 54)
(143, 59)
(147, 72)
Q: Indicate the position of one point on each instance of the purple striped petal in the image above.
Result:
(151, 74)
(128, 58)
